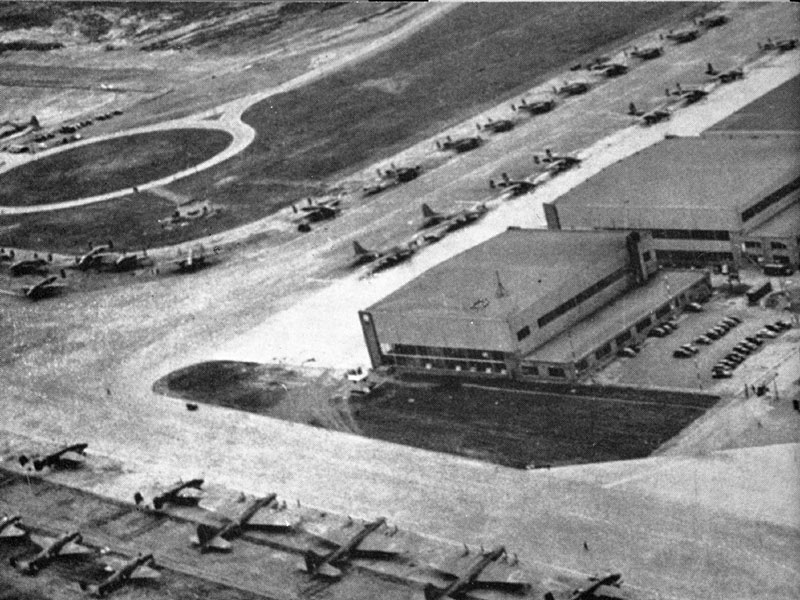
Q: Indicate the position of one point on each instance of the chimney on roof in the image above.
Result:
(501, 291)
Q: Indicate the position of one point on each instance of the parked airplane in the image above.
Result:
(647, 53)
(683, 36)
(713, 21)
(648, 118)
(610, 69)
(588, 593)
(464, 144)
(535, 108)
(353, 547)
(183, 494)
(44, 289)
(556, 163)
(512, 187)
(70, 457)
(687, 95)
(572, 89)
(383, 259)
(210, 537)
(392, 177)
(34, 266)
(498, 126)
(140, 567)
(313, 212)
(727, 76)
(9, 529)
(66, 546)
(101, 257)
(455, 220)
(461, 586)
(194, 260)
(779, 45)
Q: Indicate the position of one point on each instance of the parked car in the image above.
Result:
(694, 307)
(702, 340)
(733, 318)
(689, 348)
(721, 374)
(682, 353)
(766, 334)
(754, 340)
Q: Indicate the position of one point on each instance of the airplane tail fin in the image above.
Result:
(205, 533)
(427, 211)
(312, 560)
(432, 592)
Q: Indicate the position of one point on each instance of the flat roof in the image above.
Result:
(606, 323)
(719, 171)
(785, 224)
(530, 263)
(776, 110)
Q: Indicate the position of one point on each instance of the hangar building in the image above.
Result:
(529, 304)
(720, 198)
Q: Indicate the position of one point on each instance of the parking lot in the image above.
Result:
(656, 366)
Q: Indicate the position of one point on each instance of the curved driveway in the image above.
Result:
(225, 117)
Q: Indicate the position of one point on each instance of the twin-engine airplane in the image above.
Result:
(46, 288)
(70, 457)
(67, 546)
(462, 587)
(216, 538)
(588, 593)
(138, 568)
(360, 545)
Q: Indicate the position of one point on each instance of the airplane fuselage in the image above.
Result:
(47, 555)
(345, 550)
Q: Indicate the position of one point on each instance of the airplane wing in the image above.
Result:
(41, 540)
(145, 572)
(271, 519)
(12, 531)
(329, 571)
(215, 543)
(72, 549)
(114, 564)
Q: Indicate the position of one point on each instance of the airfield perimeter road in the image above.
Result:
(710, 526)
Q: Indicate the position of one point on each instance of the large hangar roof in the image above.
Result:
(530, 263)
(714, 172)
(776, 110)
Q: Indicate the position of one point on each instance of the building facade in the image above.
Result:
(490, 309)
(717, 199)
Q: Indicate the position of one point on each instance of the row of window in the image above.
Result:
(773, 198)
(582, 297)
(773, 245)
(551, 371)
(694, 257)
(435, 351)
(691, 234)
(415, 362)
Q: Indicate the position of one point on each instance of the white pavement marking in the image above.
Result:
(331, 315)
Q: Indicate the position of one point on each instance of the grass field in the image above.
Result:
(499, 422)
(517, 428)
(108, 166)
(457, 66)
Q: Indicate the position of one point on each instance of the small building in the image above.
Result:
(503, 307)
(707, 200)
